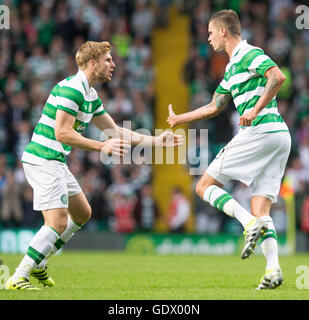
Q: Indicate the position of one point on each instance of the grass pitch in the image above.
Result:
(90, 275)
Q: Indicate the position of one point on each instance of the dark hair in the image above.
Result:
(229, 20)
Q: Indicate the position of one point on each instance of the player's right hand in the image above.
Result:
(172, 118)
(115, 146)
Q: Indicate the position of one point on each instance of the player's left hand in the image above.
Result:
(168, 139)
(246, 119)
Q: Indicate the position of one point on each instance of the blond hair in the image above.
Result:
(91, 50)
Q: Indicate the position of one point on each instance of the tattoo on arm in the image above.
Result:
(210, 110)
(272, 85)
(221, 100)
(275, 79)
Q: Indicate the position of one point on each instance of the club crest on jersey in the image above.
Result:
(64, 199)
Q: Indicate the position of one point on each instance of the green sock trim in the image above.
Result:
(269, 234)
(55, 231)
(35, 255)
(211, 193)
(222, 200)
(79, 225)
(59, 243)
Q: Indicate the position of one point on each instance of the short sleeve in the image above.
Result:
(223, 88)
(99, 109)
(69, 100)
(256, 61)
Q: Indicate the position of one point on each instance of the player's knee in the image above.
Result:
(82, 215)
(61, 227)
(58, 226)
(56, 219)
(202, 186)
(86, 214)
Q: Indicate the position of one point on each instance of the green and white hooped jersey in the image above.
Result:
(244, 80)
(74, 96)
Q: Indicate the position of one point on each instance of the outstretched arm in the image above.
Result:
(65, 133)
(275, 79)
(217, 104)
(106, 124)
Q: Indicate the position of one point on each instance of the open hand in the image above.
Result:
(115, 146)
(168, 139)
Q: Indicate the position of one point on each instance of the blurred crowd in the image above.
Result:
(39, 50)
(270, 25)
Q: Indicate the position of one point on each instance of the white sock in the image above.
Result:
(269, 245)
(221, 200)
(68, 233)
(38, 249)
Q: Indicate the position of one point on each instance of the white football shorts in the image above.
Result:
(255, 159)
(52, 185)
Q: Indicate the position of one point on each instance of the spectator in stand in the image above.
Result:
(146, 211)
(120, 184)
(3, 126)
(102, 211)
(23, 137)
(179, 211)
(142, 20)
(121, 39)
(162, 13)
(279, 45)
(11, 206)
(44, 25)
(120, 107)
(305, 215)
(123, 207)
(304, 219)
(296, 175)
(139, 52)
(142, 117)
(304, 154)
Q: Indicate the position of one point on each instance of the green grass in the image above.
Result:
(120, 276)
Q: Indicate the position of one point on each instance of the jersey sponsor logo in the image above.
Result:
(78, 126)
